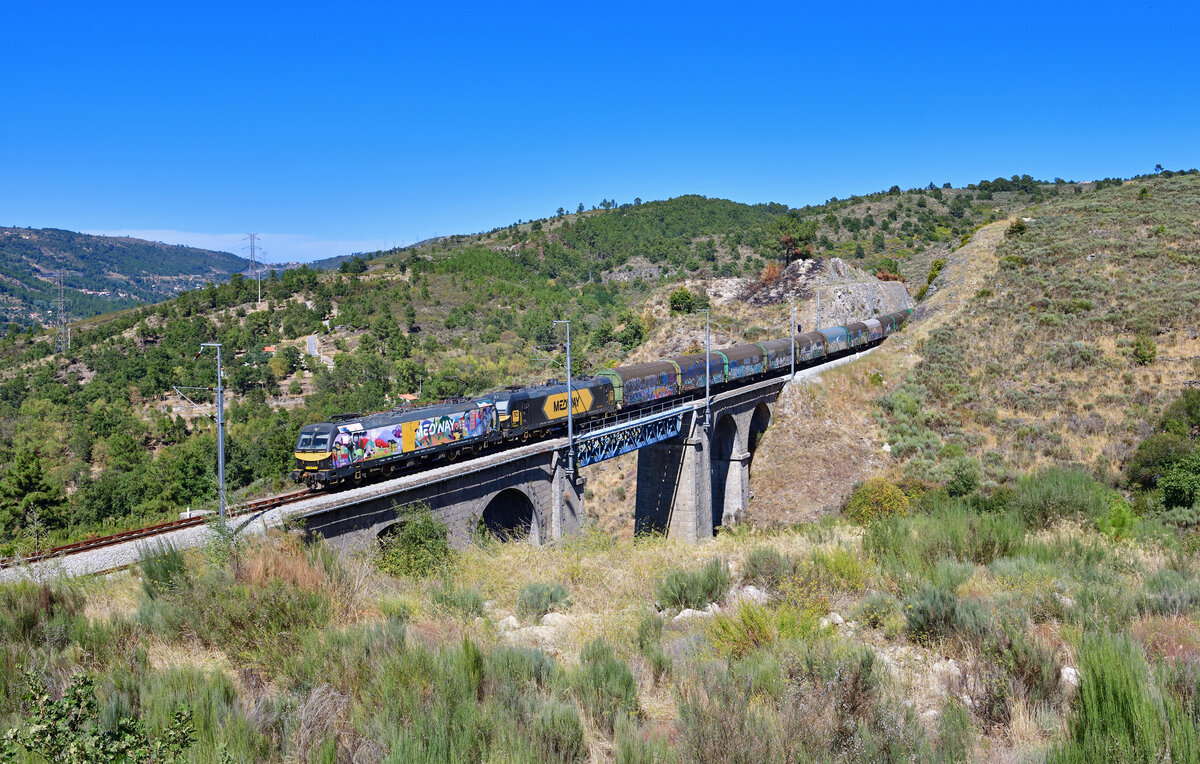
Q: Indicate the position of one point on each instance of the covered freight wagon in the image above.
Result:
(643, 382)
(837, 339)
(809, 346)
(743, 361)
(691, 370)
(778, 353)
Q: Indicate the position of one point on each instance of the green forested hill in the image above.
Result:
(101, 273)
(464, 314)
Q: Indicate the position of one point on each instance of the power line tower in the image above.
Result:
(253, 239)
(262, 253)
(62, 332)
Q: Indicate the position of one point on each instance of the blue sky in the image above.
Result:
(331, 129)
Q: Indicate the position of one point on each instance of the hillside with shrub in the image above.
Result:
(1066, 343)
(116, 446)
(1014, 577)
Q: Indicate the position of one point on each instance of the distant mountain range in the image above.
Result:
(104, 273)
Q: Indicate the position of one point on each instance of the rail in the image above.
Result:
(151, 530)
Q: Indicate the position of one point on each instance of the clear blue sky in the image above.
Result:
(337, 128)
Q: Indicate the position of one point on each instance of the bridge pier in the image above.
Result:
(690, 487)
(674, 486)
(566, 499)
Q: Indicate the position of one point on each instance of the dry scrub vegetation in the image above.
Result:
(1035, 363)
(979, 627)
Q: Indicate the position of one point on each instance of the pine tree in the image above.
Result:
(28, 497)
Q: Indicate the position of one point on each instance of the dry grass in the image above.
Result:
(1172, 637)
(823, 439)
(285, 561)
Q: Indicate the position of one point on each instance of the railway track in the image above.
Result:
(150, 531)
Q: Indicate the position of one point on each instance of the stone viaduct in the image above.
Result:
(686, 487)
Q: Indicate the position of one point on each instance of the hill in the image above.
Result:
(999, 586)
(100, 273)
(1060, 342)
(461, 314)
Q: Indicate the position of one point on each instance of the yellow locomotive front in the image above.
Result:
(314, 453)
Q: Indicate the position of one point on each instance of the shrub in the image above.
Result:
(964, 477)
(1054, 493)
(38, 613)
(910, 548)
(634, 748)
(1118, 714)
(1154, 456)
(163, 568)
(417, 547)
(558, 733)
(882, 611)
(839, 568)
(1169, 592)
(256, 620)
(604, 684)
(537, 599)
(648, 642)
(682, 301)
(955, 737)
(1144, 350)
(935, 269)
(766, 567)
(695, 588)
(466, 602)
(70, 729)
(1120, 522)
(1181, 483)
(876, 497)
(934, 613)
(1036, 668)
(749, 628)
(649, 631)
(1016, 229)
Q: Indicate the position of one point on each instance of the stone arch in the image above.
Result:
(510, 514)
(759, 423)
(725, 471)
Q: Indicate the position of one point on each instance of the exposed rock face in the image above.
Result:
(846, 291)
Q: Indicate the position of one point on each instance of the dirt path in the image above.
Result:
(968, 269)
(825, 437)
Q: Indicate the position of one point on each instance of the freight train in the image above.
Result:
(354, 447)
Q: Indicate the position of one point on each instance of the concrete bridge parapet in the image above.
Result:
(529, 495)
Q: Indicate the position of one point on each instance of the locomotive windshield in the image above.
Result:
(314, 438)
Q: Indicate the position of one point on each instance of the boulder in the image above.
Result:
(1068, 680)
(557, 620)
(836, 619)
(749, 593)
(688, 613)
(945, 674)
(509, 623)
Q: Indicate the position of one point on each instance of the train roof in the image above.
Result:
(540, 391)
(396, 416)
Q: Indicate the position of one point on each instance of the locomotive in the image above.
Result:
(354, 446)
